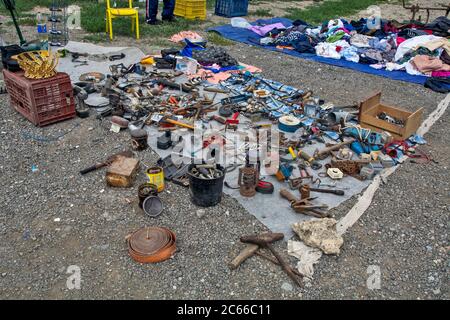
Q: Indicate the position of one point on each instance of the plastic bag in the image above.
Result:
(240, 23)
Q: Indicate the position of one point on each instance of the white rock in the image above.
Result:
(201, 213)
(287, 286)
(320, 233)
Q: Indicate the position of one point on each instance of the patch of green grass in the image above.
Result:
(27, 21)
(94, 37)
(27, 5)
(93, 21)
(326, 10)
(167, 29)
(261, 13)
(210, 4)
(217, 39)
(163, 43)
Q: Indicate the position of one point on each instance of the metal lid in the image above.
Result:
(152, 206)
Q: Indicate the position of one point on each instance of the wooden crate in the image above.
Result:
(122, 171)
(371, 107)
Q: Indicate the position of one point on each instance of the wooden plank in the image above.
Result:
(413, 123)
(369, 103)
(380, 124)
(380, 130)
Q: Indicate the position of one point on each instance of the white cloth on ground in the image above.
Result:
(327, 50)
(412, 44)
(308, 256)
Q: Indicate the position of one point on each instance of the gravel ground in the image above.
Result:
(404, 232)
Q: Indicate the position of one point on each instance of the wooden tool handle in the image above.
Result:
(91, 168)
(332, 191)
(180, 124)
(284, 265)
(249, 251)
(302, 154)
(287, 195)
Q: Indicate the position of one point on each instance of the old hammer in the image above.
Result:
(264, 241)
(251, 249)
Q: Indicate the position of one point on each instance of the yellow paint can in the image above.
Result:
(156, 177)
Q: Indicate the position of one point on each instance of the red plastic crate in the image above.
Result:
(42, 101)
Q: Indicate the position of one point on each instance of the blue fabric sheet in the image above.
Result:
(245, 36)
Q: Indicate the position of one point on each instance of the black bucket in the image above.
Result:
(206, 192)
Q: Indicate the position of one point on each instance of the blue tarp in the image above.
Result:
(244, 35)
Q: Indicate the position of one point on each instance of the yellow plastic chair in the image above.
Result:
(112, 12)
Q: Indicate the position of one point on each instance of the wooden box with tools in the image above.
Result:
(371, 108)
(122, 171)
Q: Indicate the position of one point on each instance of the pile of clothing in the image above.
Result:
(417, 48)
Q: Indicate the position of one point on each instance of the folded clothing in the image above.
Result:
(427, 64)
(361, 41)
(411, 45)
(440, 74)
(328, 50)
(438, 43)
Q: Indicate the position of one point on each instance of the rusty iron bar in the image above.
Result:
(417, 8)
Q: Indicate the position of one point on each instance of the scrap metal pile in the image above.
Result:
(164, 106)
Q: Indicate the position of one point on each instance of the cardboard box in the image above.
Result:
(372, 107)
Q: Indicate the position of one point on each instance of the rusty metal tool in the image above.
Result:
(216, 90)
(251, 250)
(275, 261)
(218, 119)
(246, 253)
(304, 206)
(107, 162)
(173, 85)
(324, 153)
(310, 160)
(295, 183)
(415, 8)
(264, 241)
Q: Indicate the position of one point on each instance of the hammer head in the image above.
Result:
(263, 239)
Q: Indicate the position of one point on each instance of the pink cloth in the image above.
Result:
(190, 35)
(443, 74)
(400, 40)
(427, 64)
(262, 31)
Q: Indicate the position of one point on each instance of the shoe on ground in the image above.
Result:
(169, 19)
(154, 22)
